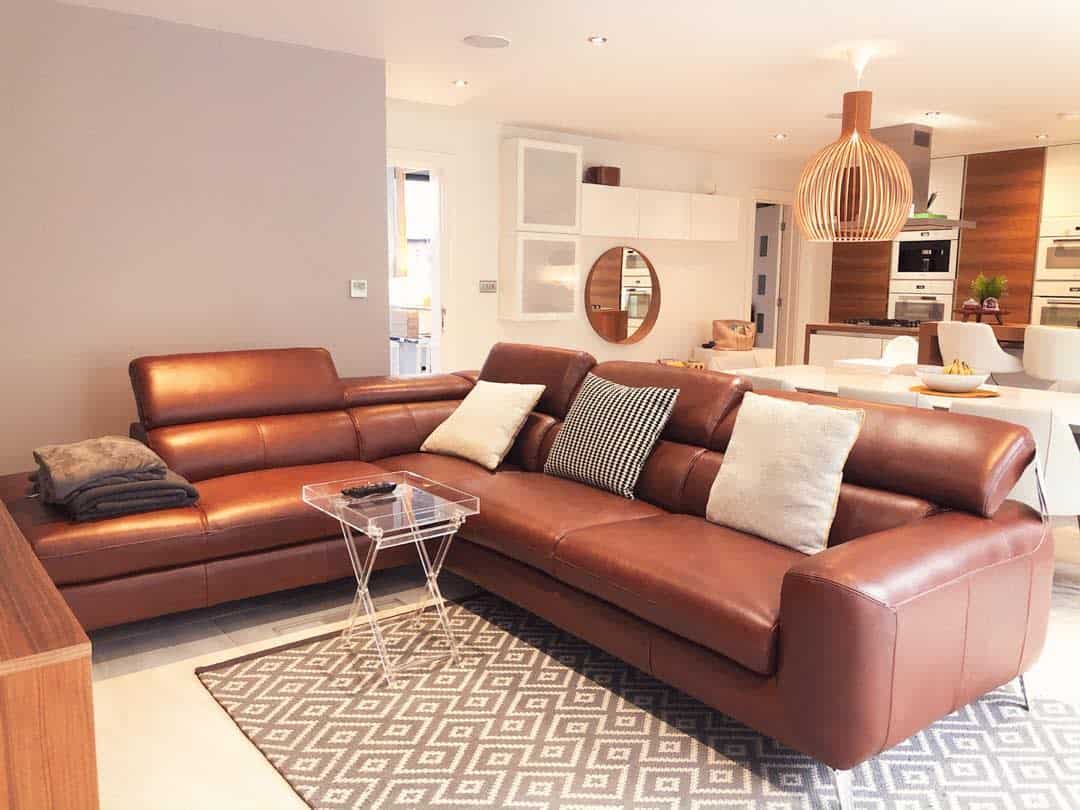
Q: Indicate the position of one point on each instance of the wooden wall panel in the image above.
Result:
(1003, 195)
(860, 280)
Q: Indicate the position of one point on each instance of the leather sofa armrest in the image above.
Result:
(883, 635)
(137, 431)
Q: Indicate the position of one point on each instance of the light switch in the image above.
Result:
(358, 288)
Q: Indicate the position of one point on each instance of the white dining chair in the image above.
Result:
(887, 397)
(977, 345)
(899, 351)
(760, 382)
(1056, 454)
(1053, 353)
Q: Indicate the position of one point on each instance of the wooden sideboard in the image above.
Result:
(1010, 335)
(47, 754)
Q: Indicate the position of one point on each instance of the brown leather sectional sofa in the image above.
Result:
(934, 590)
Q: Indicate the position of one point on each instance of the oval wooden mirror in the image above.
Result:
(622, 295)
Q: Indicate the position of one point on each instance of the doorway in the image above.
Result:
(772, 282)
(417, 250)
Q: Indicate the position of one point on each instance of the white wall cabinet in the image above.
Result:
(663, 214)
(541, 277)
(1061, 186)
(947, 180)
(541, 186)
(826, 349)
(620, 211)
(714, 218)
(609, 210)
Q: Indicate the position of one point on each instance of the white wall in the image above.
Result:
(699, 281)
(169, 188)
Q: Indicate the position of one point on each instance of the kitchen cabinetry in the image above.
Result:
(663, 214)
(860, 280)
(714, 218)
(1003, 194)
(947, 181)
(539, 277)
(609, 210)
(1061, 197)
(826, 349)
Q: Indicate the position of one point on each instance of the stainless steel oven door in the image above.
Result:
(915, 307)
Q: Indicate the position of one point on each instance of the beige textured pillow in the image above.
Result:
(780, 478)
(485, 424)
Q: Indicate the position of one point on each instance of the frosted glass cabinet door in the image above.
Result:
(549, 187)
(548, 276)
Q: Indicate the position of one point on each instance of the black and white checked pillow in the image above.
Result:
(608, 434)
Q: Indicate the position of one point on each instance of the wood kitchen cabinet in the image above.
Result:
(860, 280)
(1003, 195)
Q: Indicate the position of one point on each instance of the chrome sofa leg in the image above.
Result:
(1024, 694)
(844, 783)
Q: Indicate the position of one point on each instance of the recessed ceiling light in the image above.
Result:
(1042, 136)
(933, 115)
(598, 39)
(1069, 116)
(461, 82)
(780, 136)
(486, 41)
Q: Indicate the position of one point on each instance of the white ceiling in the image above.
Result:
(704, 74)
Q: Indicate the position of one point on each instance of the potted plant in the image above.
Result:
(985, 287)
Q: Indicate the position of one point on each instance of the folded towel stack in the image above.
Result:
(108, 477)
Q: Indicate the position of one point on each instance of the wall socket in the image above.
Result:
(488, 286)
(358, 288)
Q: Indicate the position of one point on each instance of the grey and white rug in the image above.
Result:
(536, 718)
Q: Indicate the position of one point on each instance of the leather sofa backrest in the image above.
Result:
(183, 388)
(960, 462)
(228, 446)
(705, 397)
(394, 429)
(559, 370)
(383, 390)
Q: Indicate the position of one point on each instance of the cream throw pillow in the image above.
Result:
(485, 424)
(780, 478)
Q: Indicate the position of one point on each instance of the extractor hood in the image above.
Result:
(912, 142)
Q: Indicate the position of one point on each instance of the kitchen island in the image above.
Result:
(828, 342)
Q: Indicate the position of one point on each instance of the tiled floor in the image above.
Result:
(164, 743)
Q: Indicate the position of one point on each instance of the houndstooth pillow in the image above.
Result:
(608, 434)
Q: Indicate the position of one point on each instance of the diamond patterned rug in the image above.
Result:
(535, 718)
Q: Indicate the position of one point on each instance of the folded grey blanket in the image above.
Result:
(113, 500)
(66, 469)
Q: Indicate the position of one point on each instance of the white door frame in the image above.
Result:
(788, 289)
(441, 165)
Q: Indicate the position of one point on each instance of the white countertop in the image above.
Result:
(822, 380)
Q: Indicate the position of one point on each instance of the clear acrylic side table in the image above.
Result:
(417, 511)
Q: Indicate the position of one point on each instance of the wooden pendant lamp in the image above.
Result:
(856, 189)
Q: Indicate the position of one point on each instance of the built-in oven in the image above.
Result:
(925, 255)
(921, 300)
(1059, 250)
(1056, 303)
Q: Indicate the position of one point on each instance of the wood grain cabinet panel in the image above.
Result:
(1003, 195)
(860, 280)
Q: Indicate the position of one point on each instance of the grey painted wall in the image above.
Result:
(169, 188)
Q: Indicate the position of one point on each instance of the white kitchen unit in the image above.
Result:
(947, 180)
(1061, 184)
(826, 349)
(714, 218)
(663, 214)
(540, 282)
(609, 210)
(541, 186)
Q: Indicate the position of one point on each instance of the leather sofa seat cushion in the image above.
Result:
(454, 472)
(263, 508)
(715, 586)
(524, 515)
(74, 553)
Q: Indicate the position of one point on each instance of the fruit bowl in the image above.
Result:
(935, 378)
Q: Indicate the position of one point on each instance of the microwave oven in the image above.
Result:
(925, 255)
